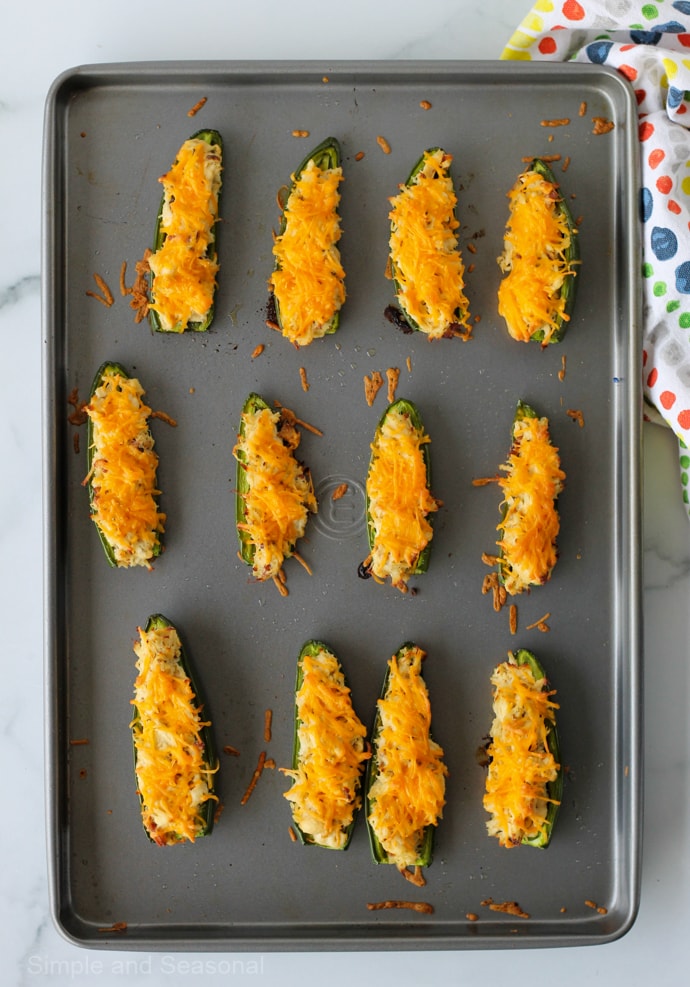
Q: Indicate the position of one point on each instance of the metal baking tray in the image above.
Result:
(110, 131)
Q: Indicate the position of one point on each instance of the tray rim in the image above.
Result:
(409, 935)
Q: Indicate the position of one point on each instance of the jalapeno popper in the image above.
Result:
(406, 777)
(174, 757)
(122, 466)
(425, 261)
(329, 754)
(184, 261)
(399, 500)
(308, 282)
(530, 521)
(275, 494)
(524, 782)
(540, 259)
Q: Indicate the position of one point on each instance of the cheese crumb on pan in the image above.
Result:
(254, 780)
(106, 298)
(123, 471)
(427, 266)
(505, 907)
(174, 781)
(332, 749)
(601, 125)
(392, 376)
(309, 281)
(408, 791)
(425, 907)
(197, 106)
(521, 762)
(372, 385)
(185, 266)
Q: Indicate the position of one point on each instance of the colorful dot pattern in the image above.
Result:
(649, 44)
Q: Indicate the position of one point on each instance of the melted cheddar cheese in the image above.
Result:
(521, 765)
(174, 781)
(426, 262)
(408, 791)
(309, 281)
(530, 524)
(184, 267)
(399, 499)
(332, 750)
(278, 494)
(123, 471)
(535, 259)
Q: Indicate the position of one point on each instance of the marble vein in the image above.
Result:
(26, 287)
(661, 572)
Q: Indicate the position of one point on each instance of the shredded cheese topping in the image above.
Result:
(309, 280)
(427, 264)
(174, 781)
(537, 241)
(278, 495)
(331, 740)
(184, 269)
(399, 499)
(408, 792)
(521, 765)
(530, 525)
(123, 471)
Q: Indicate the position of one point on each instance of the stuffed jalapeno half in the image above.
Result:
(540, 259)
(399, 501)
(308, 281)
(329, 754)
(174, 756)
(122, 467)
(406, 776)
(184, 261)
(425, 262)
(275, 494)
(524, 783)
(530, 521)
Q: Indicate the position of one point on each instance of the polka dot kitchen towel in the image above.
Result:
(648, 43)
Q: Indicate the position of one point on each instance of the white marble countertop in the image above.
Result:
(39, 41)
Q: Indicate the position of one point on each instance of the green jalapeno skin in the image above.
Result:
(326, 155)
(396, 285)
(103, 370)
(554, 788)
(312, 648)
(522, 412)
(378, 853)
(572, 256)
(211, 137)
(253, 403)
(247, 550)
(208, 808)
(405, 407)
(109, 367)
(403, 315)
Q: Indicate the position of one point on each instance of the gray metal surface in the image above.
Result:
(110, 132)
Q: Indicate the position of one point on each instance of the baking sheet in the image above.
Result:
(110, 132)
